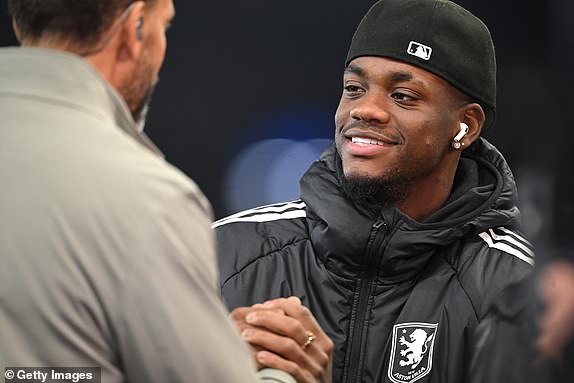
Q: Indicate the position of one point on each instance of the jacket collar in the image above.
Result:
(484, 196)
(66, 79)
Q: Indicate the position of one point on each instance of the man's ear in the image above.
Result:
(131, 34)
(473, 116)
(16, 31)
(119, 56)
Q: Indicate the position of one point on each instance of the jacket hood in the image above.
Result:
(484, 196)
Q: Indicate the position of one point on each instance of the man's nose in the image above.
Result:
(372, 107)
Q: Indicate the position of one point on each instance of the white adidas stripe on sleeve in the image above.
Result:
(289, 210)
(510, 242)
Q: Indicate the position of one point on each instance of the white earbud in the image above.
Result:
(463, 130)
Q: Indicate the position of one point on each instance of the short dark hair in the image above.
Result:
(82, 21)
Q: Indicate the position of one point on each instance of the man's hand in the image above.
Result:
(557, 324)
(283, 334)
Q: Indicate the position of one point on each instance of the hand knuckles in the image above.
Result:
(329, 346)
(290, 346)
(293, 327)
(293, 369)
(322, 359)
(309, 377)
(316, 370)
(278, 311)
(304, 311)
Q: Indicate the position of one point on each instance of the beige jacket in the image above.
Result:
(106, 253)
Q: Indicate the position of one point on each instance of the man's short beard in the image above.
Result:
(388, 190)
(140, 112)
(138, 90)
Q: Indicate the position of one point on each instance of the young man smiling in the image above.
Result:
(408, 226)
(393, 128)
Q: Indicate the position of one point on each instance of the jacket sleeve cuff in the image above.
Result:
(271, 375)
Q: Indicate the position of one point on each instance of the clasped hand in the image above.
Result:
(283, 334)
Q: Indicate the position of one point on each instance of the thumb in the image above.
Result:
(294, 299)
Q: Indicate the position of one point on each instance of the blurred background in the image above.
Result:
(249, 89)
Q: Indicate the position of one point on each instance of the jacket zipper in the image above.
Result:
(354, 354)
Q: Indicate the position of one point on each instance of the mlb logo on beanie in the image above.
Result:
(419, 50)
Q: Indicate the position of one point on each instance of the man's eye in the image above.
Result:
(352, 89)
(399, 96)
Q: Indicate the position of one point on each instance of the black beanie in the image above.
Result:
(438, 36)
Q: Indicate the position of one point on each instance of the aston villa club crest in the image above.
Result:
(411, 355)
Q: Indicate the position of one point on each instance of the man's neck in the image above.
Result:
(427, 197)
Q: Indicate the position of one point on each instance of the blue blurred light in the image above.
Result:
(268, 171)
(277, 152)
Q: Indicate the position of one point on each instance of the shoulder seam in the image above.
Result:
(466, 289)
(222, 284)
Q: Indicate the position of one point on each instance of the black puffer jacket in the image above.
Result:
(399, 298)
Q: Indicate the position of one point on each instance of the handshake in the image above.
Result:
(284, 335)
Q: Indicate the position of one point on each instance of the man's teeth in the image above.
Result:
(366, 141)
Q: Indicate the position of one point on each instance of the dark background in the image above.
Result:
(238, 72)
